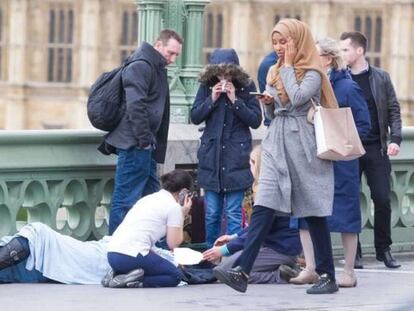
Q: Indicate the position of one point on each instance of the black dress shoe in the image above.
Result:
(236, 278)
(358, 264)
(388, 259)
(12, 253)
(325, 285)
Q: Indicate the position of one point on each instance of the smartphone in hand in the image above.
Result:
(257, 94)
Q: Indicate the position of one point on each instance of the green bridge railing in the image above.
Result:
(59, 178)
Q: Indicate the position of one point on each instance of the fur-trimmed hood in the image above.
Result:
(224, 62)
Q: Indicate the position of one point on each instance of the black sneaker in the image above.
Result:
(126, 280)
(325, 285)
(286, 272)
(235, 278)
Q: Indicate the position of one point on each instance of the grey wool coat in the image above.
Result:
(293, 181)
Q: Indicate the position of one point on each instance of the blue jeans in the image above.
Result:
(135, 177)
(232, 202)
(19, 274)
(158, 272)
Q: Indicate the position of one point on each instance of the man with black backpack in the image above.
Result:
(140, 137)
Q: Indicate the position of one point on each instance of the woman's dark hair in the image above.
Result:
(176, 180)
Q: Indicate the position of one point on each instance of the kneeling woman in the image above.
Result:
(151, 218)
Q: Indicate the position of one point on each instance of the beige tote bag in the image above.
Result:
(337, 138)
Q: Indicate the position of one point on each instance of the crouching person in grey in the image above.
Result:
(276, 261)
(157, 215)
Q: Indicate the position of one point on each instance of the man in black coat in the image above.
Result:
(384, 110)
(140, 139)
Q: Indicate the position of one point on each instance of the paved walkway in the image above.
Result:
(379, 289)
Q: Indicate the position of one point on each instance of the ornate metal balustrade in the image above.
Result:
(55, 177)
(59, 178)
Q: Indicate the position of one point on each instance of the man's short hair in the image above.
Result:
(167, 34)
(357, 39)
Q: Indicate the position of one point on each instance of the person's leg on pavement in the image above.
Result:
(321, 239)
(348, 277)
(214, 209)
(132, 172)
(260, 223)
(233, 210)
(378, 179)
(358, 262)
(265, 269)
(158, 272)
(19, 274)
(307, 275)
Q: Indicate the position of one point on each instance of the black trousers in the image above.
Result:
(260, 223)
(377, 168)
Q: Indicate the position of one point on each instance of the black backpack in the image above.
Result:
(105, 103)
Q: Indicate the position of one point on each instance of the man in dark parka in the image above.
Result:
(140, 139)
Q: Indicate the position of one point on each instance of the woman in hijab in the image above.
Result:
(293, 181)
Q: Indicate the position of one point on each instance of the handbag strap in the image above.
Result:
(312, 110)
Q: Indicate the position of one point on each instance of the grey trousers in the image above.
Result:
(266, 266)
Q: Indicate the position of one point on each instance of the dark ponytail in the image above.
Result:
(176, 180)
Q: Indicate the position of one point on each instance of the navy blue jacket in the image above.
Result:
(223, 156)
(280, 238)
(269, 60)
(346, 216)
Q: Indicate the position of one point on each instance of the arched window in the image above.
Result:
(129, 32)
(2, 69)
(213, 31)
(370, 24)
(287, 13)
(60, 42)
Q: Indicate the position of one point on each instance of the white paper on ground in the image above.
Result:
(187, 256)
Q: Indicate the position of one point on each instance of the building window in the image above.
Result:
(370, 24)
(213, 33)
(129, 32)
(60, 43)
(2, 46)
(287, 14)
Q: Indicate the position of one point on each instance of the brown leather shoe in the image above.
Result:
(347, 279)
(305, 277)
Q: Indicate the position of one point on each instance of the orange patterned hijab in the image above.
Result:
(307, 58)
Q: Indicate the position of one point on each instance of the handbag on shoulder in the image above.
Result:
(336, 135)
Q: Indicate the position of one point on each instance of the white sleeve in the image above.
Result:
(175, 217)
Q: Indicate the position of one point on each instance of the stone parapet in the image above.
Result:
(59, 178)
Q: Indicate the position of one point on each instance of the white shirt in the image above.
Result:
(146, 223)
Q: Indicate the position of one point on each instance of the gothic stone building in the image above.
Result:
(51, 51)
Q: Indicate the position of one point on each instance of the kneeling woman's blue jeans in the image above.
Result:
(158, 272)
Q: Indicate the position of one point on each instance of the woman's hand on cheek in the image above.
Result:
(187, 205)
(290, 52)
